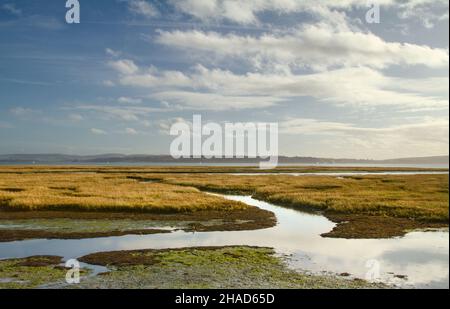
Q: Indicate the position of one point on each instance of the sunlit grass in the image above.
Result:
(98, 192)
(423, 197)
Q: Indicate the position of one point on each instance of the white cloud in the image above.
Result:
(213, 101)
(428, 136)
(219, 89)
(131, 131)
(98, 131)
(164, 125)
(428, 12)
(22, 111)
(243, 12)
(318, 46)
(346, 65)
(125, 113)
(144, 8)
(155, 78)
(112, 52)
(246, 12)
(330, 60)
(75, 117)
(124, 66)
(108, 83)
(128, 100)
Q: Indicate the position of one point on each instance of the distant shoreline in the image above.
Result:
(166, 160)
(223, 164)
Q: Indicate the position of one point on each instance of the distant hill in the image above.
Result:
(120, 158)
(420, 160)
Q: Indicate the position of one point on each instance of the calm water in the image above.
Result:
(343, 174)
(421, 256)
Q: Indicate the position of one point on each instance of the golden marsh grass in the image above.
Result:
(100, 192)
(421, 197)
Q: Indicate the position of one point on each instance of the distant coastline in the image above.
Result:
(166, 160)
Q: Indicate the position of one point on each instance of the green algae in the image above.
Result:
(209, 267)
(33, 272)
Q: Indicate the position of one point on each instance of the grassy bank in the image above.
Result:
(204, 267)
(63, 205)
(98, 192)
(370, 206)
(422, 197)
(32, 272)
(20, 225)
(363, 206)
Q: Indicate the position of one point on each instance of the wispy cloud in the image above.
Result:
(247, 12)
(428, 136)
(212, 101)
(26, 82)
(128, 100)
(348, 86)
(220, 89)
(35, 21)
(125, 113)
(12, 9)
(113, 53)
(305, 47)
(22, 111)
(96, 131)
(131, 131)
(124, 66)
(143, 8)
(75, 117)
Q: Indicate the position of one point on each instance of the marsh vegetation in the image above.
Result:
(207, 267)
(363, 206)
(87, 202)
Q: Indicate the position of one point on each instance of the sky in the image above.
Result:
(337, 85)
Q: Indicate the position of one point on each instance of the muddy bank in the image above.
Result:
(15, 235)
(357, 226)
(206, 267)
(77, 225)
(202, 267)
(360, 226)
(372, 227)
(361, 206)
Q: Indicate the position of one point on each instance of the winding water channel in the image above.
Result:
(420, 259)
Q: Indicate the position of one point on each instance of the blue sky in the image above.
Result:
(337, 85)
